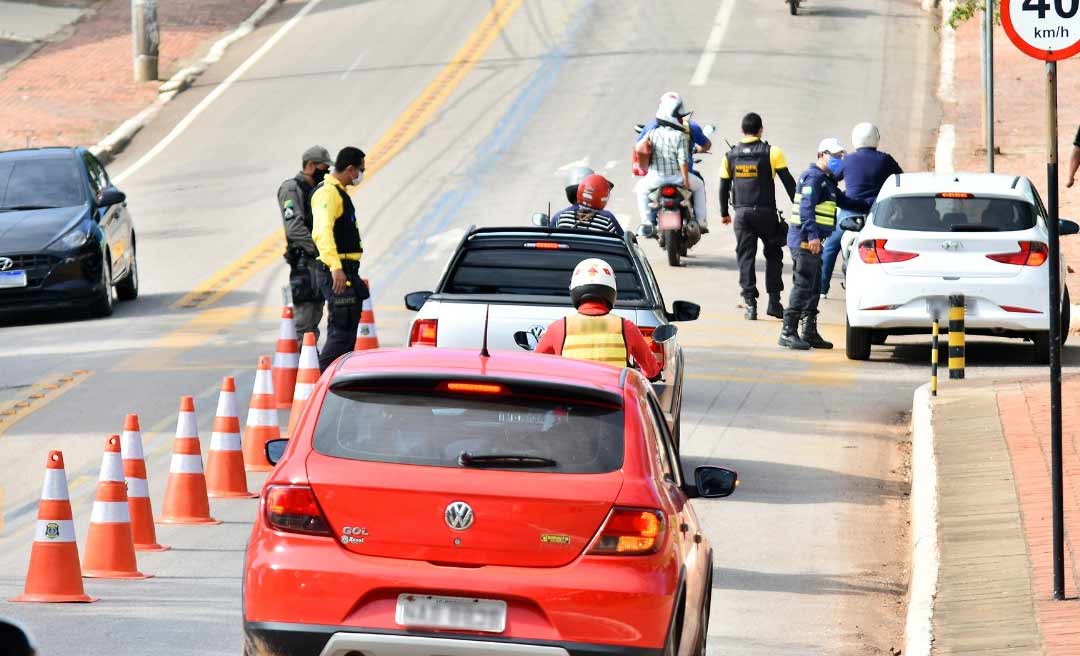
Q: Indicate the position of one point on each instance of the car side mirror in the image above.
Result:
(416, 300)
(541, 220)
(521, 338)
(110, 196)
(275, 449)
(665, 333)
(684, 311)
(852, 223)
(646, 230)
(1067, 227)
(715, 482)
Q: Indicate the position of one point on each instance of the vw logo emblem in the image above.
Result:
(537, 332)
(459, 516)
(6, 263)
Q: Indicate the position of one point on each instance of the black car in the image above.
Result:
(66, 237)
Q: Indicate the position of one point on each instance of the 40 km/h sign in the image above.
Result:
(1044, 29)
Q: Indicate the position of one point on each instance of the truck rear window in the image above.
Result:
(435, 429)
(517, 270)
(932, 214)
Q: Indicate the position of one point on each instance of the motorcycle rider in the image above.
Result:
(672, 159)
(294, 201)
(813, 219)
(593, 333)
(865, 170)
(587, 212)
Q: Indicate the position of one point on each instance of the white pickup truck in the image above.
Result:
(519, 279)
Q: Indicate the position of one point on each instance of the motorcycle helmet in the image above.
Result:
(16, 639)
(593, 192)
(671, 108)
(574, 180)
(593, 280)
(865, 135)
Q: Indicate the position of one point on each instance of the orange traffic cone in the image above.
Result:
(110, 549)
(225, 475)
(306, 377)
(262, 420)
(367, 337)
(138, 491)
(286, 358)
(185, 493)
(54, 573)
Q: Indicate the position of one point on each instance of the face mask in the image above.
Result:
(318, 175)
(358, 179)
(835, 165)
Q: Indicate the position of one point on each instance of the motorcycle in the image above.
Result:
(793, 6)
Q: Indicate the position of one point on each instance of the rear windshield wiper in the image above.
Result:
(975, 227)
(18, 208)
(467, 459)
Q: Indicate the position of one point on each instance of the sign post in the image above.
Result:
(1049, 30)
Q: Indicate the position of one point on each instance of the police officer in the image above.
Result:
(746, 173)
(813, 219)
(338, 239)
(294, 201)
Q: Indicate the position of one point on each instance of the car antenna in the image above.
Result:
(484, 347)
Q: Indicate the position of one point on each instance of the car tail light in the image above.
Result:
(656, 347)
(293, 508)
(630, 532)
(1021, 310)
(1031, 253)
(667, 192)
(546, 245)
(955, 194)
(474, 388)
(425, 332)
(873, 251)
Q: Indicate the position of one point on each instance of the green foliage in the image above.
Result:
(967, 9)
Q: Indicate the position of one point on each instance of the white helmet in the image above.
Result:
(865, 135)
(593, 280)
(671, 108)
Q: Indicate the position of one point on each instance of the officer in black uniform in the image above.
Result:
(294, 202)
(746, 174)
(338, 238)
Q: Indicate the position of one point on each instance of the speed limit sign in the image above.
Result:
(1044, 29)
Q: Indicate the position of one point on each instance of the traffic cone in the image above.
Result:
(185, 493)
(225, 475)
(138, 491)
(54, 574)
(110, 549)
(262, 420)
(306, 377)
(367, 337)
(286, 359)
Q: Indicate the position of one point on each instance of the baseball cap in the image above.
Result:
(830, 145)
(317, 154)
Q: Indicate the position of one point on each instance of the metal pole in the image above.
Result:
(1055, 332)
(988, 71)
(145, 39)
(934, 360)
(957, 354)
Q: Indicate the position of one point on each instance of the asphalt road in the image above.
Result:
(469, 115)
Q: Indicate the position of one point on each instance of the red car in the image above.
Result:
(438, 502)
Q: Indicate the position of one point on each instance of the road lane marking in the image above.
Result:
(214, 288)
(767, 377)
(352, 67)
(712, 46)
(39, 395)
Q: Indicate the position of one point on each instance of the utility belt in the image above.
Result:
(355, 291)
(303, 280)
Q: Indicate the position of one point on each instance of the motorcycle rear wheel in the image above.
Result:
(673, 245)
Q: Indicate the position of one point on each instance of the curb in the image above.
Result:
(925, 554)
(108, 148)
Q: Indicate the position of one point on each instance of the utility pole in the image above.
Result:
(145, 39)
(988, 77)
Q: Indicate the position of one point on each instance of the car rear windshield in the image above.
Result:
(40, 182)
(434, 430)
(933, 214)
(534, 271)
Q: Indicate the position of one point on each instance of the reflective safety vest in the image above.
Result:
(824, 212)
(597, 338)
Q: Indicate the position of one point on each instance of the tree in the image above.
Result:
(966, 9)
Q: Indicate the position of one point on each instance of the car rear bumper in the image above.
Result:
(980, 314)
(321, 640)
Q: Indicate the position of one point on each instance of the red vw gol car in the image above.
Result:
(441, 503)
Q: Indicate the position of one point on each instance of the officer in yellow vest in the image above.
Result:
(593, 333)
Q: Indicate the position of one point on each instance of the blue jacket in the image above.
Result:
(865, 170)
(697, 135)
(816, 187)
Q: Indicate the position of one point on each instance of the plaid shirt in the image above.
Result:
(671, 149)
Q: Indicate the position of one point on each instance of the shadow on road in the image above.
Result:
(801, 583)
(147, 305)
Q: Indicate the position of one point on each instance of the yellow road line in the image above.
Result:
(161, 355)
(813, 378)
(39, 395)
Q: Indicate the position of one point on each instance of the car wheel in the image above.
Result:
(128, 288)
(1066, 316)
(106, 299)
(859, 341)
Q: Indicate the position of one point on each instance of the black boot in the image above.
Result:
(775, 309)
(789, 336)
(811, 335)
(751, 310)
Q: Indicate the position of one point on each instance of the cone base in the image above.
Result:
(53, 599)
(259, 468)
(152, 547)
(231, 495)
(188, 520)
(112, 574)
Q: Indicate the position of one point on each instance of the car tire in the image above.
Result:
(878, 337)
(128, 288)
(106, 299)
(859, 341)
(1066, 316)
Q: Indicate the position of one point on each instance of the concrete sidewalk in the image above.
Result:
(991, 441)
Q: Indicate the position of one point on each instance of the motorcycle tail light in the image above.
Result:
(425, 332)
(667, 192)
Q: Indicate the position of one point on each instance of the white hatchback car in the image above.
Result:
(929, 236)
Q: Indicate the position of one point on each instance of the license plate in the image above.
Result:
(431, 612)
(939, 307)
(13, 278)
(669, 221)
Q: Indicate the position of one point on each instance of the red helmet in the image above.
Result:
(593, 191)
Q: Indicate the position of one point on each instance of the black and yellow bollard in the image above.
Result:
(956, 337)
(934, 360)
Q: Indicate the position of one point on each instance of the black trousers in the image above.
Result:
(806, 292)
(342, 312)
(752, 224)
